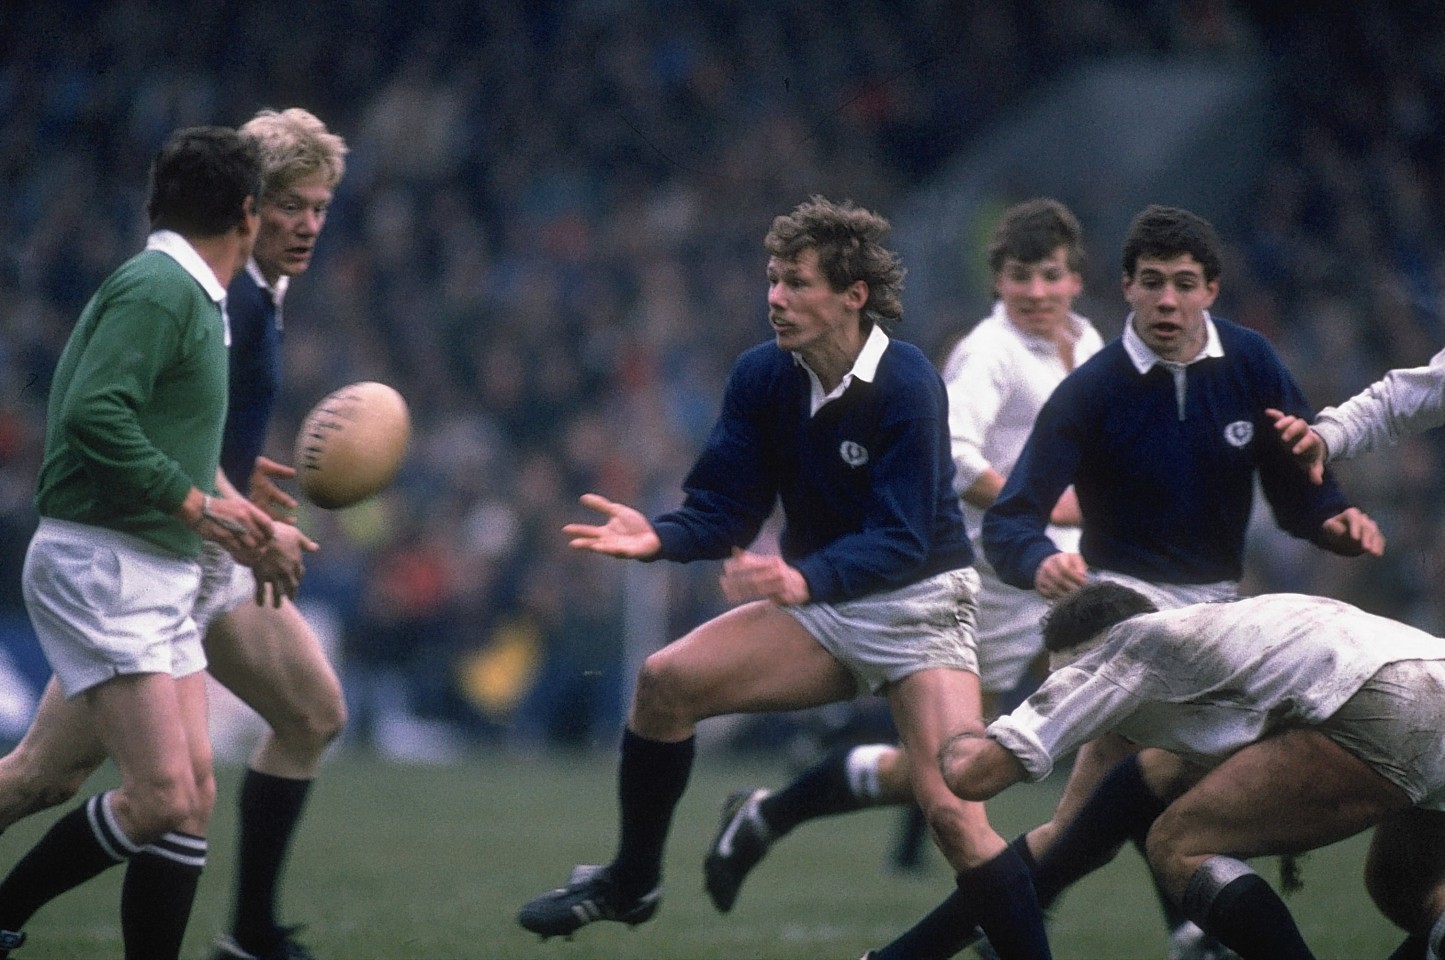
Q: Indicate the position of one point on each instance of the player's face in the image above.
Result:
(291, 220)
(807, 314)
(1037, 296)
(1169, 298)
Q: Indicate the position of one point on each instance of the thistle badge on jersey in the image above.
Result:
(853, 454)
(1239, 433)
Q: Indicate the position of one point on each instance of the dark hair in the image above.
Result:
(1032, 230)
(200, 181)
(1089, 610)
(848, 240)
(1163, 233)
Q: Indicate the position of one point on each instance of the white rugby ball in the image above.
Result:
(351, 444)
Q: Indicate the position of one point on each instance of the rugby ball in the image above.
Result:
(351, 444)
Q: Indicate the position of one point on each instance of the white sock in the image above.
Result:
(862, 770)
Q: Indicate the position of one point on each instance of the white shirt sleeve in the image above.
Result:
(1405, 401)
(1070, 708)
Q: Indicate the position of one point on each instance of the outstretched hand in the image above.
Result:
(1300, 439)
(627, 533)
(265, 494)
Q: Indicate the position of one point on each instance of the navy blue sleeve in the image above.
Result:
(1014, 534)
(732, 487)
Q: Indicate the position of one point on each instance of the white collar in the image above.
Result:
(278, 291)
(864, 368)
(1144, 358)
(1035, 342)
(179, 249)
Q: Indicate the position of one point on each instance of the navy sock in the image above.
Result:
(650, 781)
(156, 897)
(820, 791)
(270, 807)
(1121, 806)
(1247, 916)
(1007, 908)
(81, 845)
(949, 927)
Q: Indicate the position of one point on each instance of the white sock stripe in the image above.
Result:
(862, 771)
(182, 848)
(106, 830)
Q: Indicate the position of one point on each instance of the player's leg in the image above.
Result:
(59, 751)
(147, 722)
(1290, 793)
(753, 658)
(272, 660)
(848, 778)
(993, 881)
(1405, 876)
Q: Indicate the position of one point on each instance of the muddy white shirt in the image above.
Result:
(1404, 401)
(1207, 680)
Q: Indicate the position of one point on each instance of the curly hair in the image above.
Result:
(294, 145)
(1090, 610)
(848, 240)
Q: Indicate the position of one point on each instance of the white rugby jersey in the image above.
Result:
(1404, 401)
(998, 378)
(1206, 680)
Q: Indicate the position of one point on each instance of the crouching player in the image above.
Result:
(1291, 722)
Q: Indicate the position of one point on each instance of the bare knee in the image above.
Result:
(1169, 854)
(661, 706)
(30, 781)
(307, 729)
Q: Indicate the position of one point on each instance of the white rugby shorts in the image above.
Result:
(107, 604)
(886, 636)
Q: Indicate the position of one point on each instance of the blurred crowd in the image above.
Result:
(549, 239)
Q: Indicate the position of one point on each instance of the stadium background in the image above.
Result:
(549, 239)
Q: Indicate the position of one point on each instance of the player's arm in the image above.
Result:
(978, 768)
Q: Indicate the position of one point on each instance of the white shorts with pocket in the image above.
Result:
(225, 585)
(884, 637)
(106, 604)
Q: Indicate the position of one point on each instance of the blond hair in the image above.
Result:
(295, 145)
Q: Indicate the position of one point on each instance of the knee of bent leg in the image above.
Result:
(1167, 852)
(661, 696)
(312, 726)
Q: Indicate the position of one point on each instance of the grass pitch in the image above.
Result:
(398, 862)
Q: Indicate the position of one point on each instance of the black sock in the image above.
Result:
(1007, 908)
(270, 806)
(820, 791)
(949, 927)
(650, 781)
(1247, 916)
(156, 897)
(81, 845)
(1121, 806)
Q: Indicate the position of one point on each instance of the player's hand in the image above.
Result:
(757, 576)
(1060, 574)
(1352, 533)
(281, 565)
(1300, 439)
(238, 525)
(265, 494)
(627, 533)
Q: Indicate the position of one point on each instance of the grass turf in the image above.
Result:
(398, 862)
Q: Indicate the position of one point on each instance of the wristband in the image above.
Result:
(221, 522)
